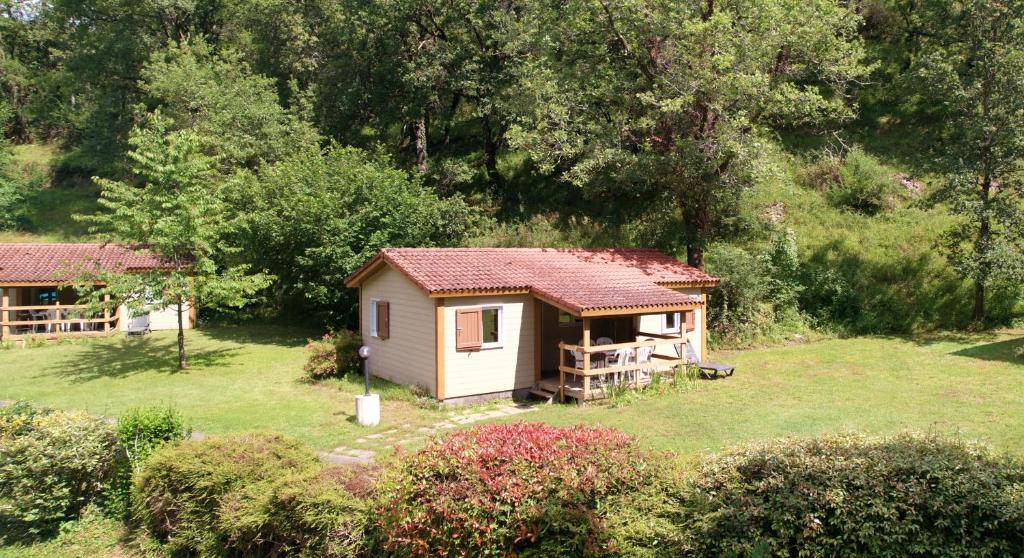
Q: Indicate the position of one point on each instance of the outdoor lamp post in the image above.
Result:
(367, 405)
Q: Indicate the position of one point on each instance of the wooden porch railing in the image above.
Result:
(588, 371)
(64, 316)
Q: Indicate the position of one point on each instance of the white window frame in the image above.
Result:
(679, 323)
(373, 317)
(500, 318)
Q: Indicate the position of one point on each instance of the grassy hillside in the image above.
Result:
(50, 204)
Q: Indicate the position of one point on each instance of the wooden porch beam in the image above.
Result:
(703, 325)
(538, 309)
(642, 310)
(586, 358)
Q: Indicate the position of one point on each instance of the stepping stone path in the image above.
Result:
(406, 435)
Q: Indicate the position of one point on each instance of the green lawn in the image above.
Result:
(249, 378)
(239, 379)
(967, 385)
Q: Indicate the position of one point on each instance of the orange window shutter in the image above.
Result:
(467, 329)
(383, 319)
(690, 321)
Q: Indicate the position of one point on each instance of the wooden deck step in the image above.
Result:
(543, 393)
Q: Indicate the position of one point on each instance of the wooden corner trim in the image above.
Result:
(439, 371)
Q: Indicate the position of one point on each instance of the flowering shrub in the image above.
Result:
(496, 490)
(333, 355)
(832, 496)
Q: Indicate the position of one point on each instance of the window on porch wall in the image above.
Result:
(673, 322)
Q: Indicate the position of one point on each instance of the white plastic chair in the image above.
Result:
(643, 362)
(604, 341)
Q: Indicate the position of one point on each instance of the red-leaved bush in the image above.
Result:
(499, 490)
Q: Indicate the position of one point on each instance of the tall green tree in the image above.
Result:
(315, 217)
(968, 81)
(234, 113)
(418, 74)
(653, 105)
(175, 208)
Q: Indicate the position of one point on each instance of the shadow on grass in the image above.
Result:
(262, 334)
(131, 357)
(999, 351)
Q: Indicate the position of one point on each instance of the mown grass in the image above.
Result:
(250, 378)
(239, 379)
(965, 385)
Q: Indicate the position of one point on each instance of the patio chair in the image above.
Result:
(138, 326)
(643, 363)
(707, 369)
(604, 341)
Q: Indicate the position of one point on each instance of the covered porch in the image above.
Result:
(49, 311)
(582, 355)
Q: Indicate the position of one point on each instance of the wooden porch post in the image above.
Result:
(561, 372)
(703, 325)
(106, 313)
(5, 313)
(586, 358)
(56, 323)
(537, 346)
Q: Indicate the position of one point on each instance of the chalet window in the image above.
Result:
(47, 296)
(380, 319)
(478, 328)
(566, 319)
(491, 322)
(671, 324)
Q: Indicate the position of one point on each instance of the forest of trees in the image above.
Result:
(844, 165)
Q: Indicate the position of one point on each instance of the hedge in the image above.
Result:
(906, 495)
(251, 495)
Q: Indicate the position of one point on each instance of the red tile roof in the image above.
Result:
(576, 279)
(53, 263)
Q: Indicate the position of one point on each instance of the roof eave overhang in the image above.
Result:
(640, 310)
(365, 271)
(708, 284)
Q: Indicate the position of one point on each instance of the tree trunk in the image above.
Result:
(490, 150)
(695, 225)
(695, 255)
(181, 336)
(981, 248)
(419, 138)
(979, 300)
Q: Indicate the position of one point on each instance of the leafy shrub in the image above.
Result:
(498, 490)
(855, 181)
(332, 355)
(312, 513)
(139, 433)
(251, 495)
(835, 496)
(758, 296)
(52, 465)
